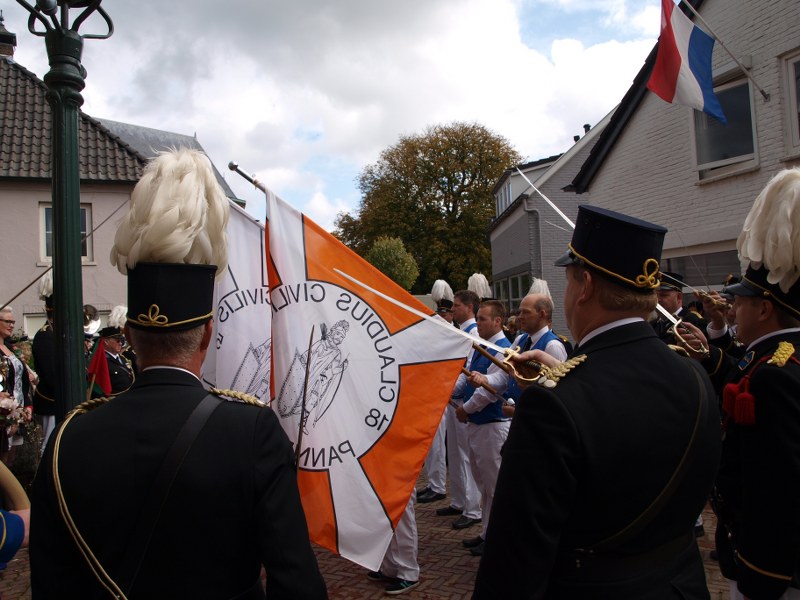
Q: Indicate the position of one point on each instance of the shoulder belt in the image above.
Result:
(151, 510)
(636, 526)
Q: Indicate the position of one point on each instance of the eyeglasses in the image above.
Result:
(8, 321)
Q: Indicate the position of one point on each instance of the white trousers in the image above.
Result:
(48, 425)
(789, 594)
(400, 559)
(485, 442)
(464, 494)
(436, 463)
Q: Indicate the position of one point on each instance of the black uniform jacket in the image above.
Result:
(759, 478)
(44, 362)
(584, 459)
(120, 373)
(234, 504)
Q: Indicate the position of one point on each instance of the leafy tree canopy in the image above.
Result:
(389, 255)
(433, 191)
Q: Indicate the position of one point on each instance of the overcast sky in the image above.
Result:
(305, 94)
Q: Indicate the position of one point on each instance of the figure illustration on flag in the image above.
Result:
(324, 370)
(379, 379)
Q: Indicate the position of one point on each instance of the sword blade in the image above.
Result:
(666, 314)
(438, 321)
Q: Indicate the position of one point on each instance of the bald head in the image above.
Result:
(535, 312)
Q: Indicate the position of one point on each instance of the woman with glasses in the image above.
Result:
(15, 390)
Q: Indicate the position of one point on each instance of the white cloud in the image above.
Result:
(306, 94)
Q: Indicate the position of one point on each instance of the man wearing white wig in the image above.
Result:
(168, 491)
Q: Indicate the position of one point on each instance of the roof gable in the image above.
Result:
(25, 135)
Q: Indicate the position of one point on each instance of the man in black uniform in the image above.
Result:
(167, 491)
(43, 350)
(612, 454)
(120, 369)
(757, 493)
(670, 297)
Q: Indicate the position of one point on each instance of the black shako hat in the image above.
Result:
(671, 281)
(624, 249)
(170, 296)
(754, 283)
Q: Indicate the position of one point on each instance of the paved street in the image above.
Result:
(448, 571)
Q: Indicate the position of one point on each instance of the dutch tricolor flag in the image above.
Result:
(682, 72)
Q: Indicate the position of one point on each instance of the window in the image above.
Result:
(46, 244)
(719, 146)
(793, 89)
(503, 198)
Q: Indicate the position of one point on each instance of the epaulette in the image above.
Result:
(678, 350)
(782, 355)
(238, 396)
(737, 401)
(550, 376)
(88, 405)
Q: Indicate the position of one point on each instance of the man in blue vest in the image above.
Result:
(465, 499)
(483, 411)
(535, 316)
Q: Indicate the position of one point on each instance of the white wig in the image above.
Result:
(477, 283)
(178, 214)
(539, 286)
(118, 316)
(771, 232)
(441, 291)
(46, 285)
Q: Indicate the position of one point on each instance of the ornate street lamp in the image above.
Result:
(65, 80)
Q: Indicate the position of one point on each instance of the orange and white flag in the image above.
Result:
(239, 356)
(378, 381)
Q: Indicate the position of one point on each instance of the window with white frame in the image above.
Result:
(46, 229)
(793, 91)
(719, 146)
(503, 198)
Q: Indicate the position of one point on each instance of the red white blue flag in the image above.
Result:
(682, 72)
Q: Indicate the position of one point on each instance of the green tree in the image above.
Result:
(434, 192)
(389, 255)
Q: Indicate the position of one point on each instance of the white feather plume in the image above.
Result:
(771, 232)
(178, 214)
(441, 291)
(477, 283)
(118, 316)
(539, 286)
(46, 285)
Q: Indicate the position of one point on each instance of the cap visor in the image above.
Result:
(565, 260)
(740, 289)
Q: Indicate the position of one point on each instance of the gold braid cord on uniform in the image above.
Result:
(94, 564)
(240, 396)
(782, 354)
(550, 376)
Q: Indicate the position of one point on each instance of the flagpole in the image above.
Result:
(546, 199)
(234, 166)
(688, 4)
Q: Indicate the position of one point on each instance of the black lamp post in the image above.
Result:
(65, 80)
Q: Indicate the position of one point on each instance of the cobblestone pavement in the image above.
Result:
(447, 569)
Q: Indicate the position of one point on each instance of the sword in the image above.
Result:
(438, 321)
(508, 353)
(675, 322)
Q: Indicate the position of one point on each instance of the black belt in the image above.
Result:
(597, 566)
